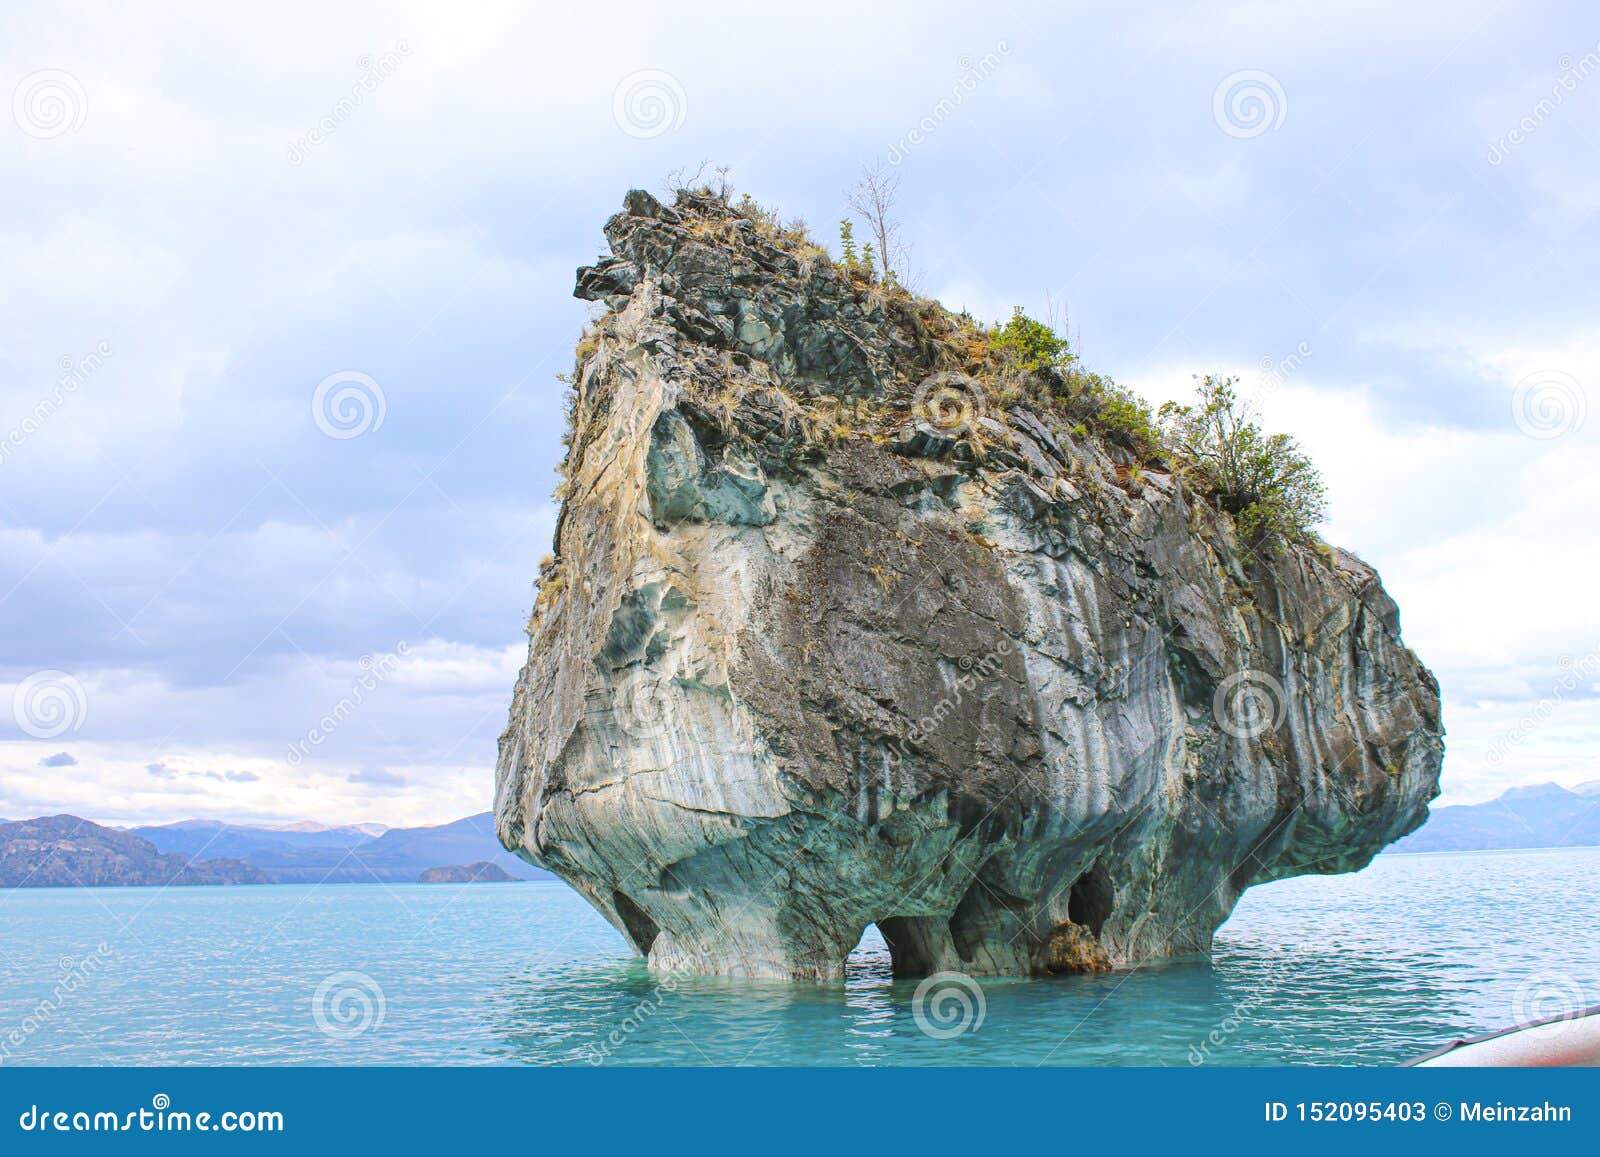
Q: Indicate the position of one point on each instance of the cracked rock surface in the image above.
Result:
(807, 658)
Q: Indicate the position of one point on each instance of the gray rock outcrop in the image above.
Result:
(479, 872)
(835, 633)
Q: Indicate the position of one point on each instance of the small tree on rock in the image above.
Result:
(874, 199)
(1269, 486)
(848, 257)
(1030, 346)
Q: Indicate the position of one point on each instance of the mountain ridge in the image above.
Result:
(67, 851)
(1540, 815)
(347, 855)
(305, 853)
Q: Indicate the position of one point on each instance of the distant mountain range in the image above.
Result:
(314, 826)
(343, 855)
(65, 851)
(1545, 815)
(207, 851)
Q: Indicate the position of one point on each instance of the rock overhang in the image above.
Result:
(825, 646)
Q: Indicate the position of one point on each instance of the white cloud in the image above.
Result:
(429, 242)
(227, 785)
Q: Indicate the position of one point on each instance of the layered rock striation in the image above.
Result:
(836, 632)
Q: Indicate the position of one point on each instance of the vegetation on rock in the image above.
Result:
(1263, 482)
(1271, 489)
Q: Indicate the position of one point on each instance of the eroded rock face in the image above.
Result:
(815, 653)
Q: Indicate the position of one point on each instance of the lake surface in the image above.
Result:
(1373, 968)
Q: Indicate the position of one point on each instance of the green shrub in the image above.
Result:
(1270, 487)
(847, 244)
(1125, 416)
(1030, 346)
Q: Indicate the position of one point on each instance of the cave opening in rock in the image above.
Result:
(870, 959)
(913, 943)
(641, 929)
(1089, 901)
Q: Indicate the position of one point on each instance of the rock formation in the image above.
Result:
(839, 631)
(479, 872)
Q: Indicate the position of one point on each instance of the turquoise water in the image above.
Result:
(1369, 969)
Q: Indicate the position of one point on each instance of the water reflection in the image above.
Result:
(1314, 1001)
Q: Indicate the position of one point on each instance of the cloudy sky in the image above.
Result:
(283, 295)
